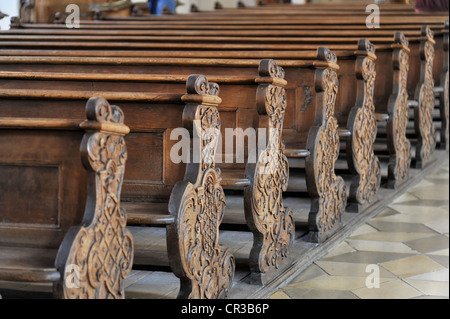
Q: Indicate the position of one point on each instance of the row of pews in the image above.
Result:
(92, 119)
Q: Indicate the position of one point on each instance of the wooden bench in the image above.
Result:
(399, 151)
(300, 123)
(345, 20)
(414, 46)
(261, 92)
(62, 223)
(149, 196)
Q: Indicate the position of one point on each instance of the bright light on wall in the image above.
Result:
(11, 8)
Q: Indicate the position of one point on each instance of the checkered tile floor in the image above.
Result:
(408, 242)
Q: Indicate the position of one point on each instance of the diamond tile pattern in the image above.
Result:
(408, 241)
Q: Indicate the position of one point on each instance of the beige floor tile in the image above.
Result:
(438, 275)
(406, 197)
(440, 225)
(412, 266)
(334, 283)
(365, 229)
(395, 289)
(280, 294)
(431, 192)
(349, 269)
(306, 293)
(417, 210)
(311, 272)
(415, 214)
(342, 248)
(368, 257)
(429, 244)
(443, 252)
(379, 245)
(442, 260)
(422, 183)
(391, 226)
(431, 288)
(392, 236)
(388, 211)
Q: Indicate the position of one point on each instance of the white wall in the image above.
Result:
(208, 5)
(10, 7)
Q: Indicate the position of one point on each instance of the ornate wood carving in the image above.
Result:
(272, 224)
(398, 144)
(423, 115)
(100, 251)
(327, 191)
(362, 161)
(205, 268)
(444, 97)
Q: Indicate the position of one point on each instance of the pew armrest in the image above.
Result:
(381, 117)
(413, 103)
(438, 89)
(343, 132)
(296, 153)
(147, 213)
(232, 178)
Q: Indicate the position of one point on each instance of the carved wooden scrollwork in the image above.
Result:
(327, 191)
(272, 224)
(444, 102)
(100, 252)
(362, 161)
(398, 144)
(444, 97)
(205, 268)
(423, 115)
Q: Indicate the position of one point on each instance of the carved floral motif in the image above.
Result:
(205, 268)
(424, 113)
(328, 191)
(400, 161)
(364, 163)
(271, 223)
(101, 249)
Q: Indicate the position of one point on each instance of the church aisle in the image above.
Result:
(408, 241)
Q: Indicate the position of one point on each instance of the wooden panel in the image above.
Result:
(47, 168)
(29, 188)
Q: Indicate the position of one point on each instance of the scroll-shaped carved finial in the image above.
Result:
(272, 224)
(444, 97)
(362, 161)
(15, 23)
(399, 145)
(327, 191)
(427, 32)
(205, 268)
(269, 68)
(399, 38)
(325, 54)
(199, 84)
(365, 45)
(444, 110)
(102, 248)
(425, 130)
